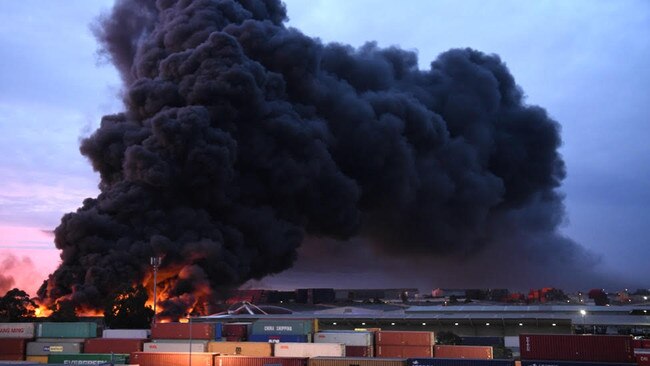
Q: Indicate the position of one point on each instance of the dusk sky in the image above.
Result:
(585, 62)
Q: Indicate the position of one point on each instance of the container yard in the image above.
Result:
(299, 342)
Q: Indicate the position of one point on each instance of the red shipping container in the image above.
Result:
(642, 343)
(234, 339)
(12, 357)
(643, 360)
(596, 348)
(259, 361)
(112, 345)
(475, 352)
(359, 351)
(182, 331)
(394, 338)
(12, 346)
(172, 358)
(235, 330)
(404, 351)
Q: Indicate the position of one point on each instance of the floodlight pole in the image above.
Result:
(155, 263)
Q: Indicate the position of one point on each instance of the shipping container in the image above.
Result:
(67, 330)
(278, 338)
(599, 348)
(258, 349)
(112, 345)
(17, 330)
(359, 351)
(46, 348)
(12, 357)
(405, 338)
(62, 340)
(642, 343)
(126, 333)
(258, 361)
(308, 349)
(233, 339)
(183, 331)
(643, 360)
(457, 362)
(403, 351)
(283, 327)
(88, 358)
(570, 363)
(476, 352)
(235, 330)
(36, 359)
(349, 338)
(483, 341)
(178, 346)
(356, 361)
(172, 358)
(10, 346)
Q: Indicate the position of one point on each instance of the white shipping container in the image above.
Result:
(46, 348)
(17, 330)
(347, 338)
(175, 347)
(511, 341)
(126, 333)
(308, 349)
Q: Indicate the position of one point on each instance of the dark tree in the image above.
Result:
(447, 338)
(599, 296)
(128, 309)
(16, 305)
(63, 311)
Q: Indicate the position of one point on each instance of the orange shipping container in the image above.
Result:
(172, 358)
(261, 349)
(37, 359)
(404, 351)
(475, 352)
(259, 361)
(394, 338)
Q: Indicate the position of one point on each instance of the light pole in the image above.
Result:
(155, 263)
(583, 312)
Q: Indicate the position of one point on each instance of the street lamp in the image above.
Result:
(155, 263)
(583, 312)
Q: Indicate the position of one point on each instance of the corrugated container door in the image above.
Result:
(475, 352)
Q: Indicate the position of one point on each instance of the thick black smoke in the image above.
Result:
(241, 137)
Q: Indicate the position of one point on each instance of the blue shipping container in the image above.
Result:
(571, 363)
(457, 362)
(278, 338)
(218, 330)
(278, 326)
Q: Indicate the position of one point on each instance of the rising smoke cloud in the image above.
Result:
(241, 137)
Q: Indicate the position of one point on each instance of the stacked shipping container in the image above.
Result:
(357, 344)
(404, 344)
(593, 348)
(13, 340)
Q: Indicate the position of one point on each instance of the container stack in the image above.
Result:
(276, 331)
(356, 361)
(457, 362)
(357, 344)
(404, 344)
(256, 349)
(13, 340)
(235, 332)
(570, 350)
(59, 339)
(182, 337)
(308, 349)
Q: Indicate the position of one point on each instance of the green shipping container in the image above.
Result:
(88, 358)
(67, 330)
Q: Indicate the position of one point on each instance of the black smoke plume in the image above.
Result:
(241, 137)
